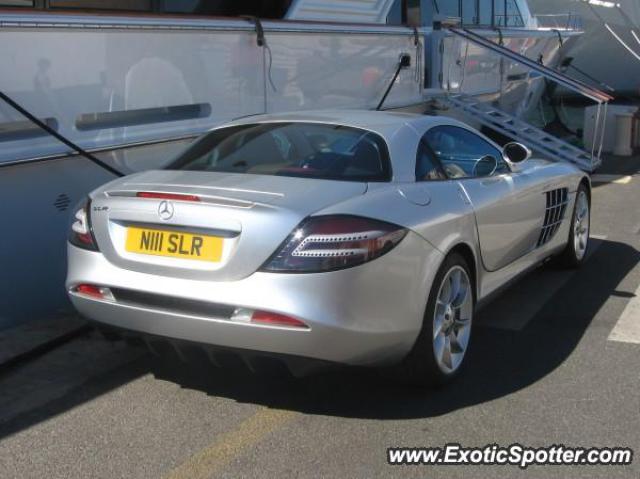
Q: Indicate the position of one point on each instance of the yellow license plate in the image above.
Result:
(175, 244)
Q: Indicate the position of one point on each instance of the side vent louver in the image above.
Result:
(62, 202)
(554, 214)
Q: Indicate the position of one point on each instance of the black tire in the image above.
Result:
(571, 257)
(420, 367)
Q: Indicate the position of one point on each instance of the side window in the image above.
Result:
(469, 12)
(459, 151)
(427, 167)
(513, 17)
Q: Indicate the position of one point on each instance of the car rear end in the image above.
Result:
(247, 261)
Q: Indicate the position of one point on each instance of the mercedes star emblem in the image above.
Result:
(165, 210)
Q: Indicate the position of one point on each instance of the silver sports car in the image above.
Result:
(352, 237)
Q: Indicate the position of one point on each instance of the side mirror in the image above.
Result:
(485, 166)
(516, 152)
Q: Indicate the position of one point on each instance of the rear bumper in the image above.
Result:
(370, 314)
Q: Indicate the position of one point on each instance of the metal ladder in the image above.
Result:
(535, 138)
(542, 142)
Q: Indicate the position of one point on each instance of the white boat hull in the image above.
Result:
(599, 54)
(115, 84)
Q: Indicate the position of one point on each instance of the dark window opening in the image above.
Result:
(130, 5)
(502, 13)
(21, 130)
(268, 9)
(16, 3)
(142, 116)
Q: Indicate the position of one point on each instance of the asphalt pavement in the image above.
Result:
(556, 360)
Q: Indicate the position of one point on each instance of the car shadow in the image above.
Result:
(501, 362)
(617, 167)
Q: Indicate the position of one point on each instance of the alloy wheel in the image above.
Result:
(581, 225)
(452, 320)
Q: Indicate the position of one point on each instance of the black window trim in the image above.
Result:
(435, 159)
(105, 120)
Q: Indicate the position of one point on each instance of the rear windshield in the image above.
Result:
(310, 150)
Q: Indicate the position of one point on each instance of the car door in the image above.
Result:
(508, 205)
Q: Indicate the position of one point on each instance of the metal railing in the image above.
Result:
(568, 82)
(508, 21)
(565, 21)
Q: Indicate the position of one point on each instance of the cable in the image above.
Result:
(560, 40)
(261, 40)
(59, 137)
(404, 62)
(500, 36)
(630, 24)
(621, 41)
(418, 45)
(612, 32)
(268, 49)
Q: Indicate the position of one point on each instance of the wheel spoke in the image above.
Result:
(581, 214)
(462, 322)
(439, 346)
(461, 297)
(585, 209)
(581, 225)
(445, 293)
(462, 336)
(456, 347)
(456, 284)
(452, 319)
(438, 323)
(447, 359)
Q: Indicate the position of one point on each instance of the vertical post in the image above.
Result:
(506, 18)
(436, 57)
(493, 13)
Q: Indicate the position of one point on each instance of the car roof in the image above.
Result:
(383, 122)
(400, 130)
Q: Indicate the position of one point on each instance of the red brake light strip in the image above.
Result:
(167, 196)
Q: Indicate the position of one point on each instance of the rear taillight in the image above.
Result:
(81, 234)
(328, 243)
(93, 291)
